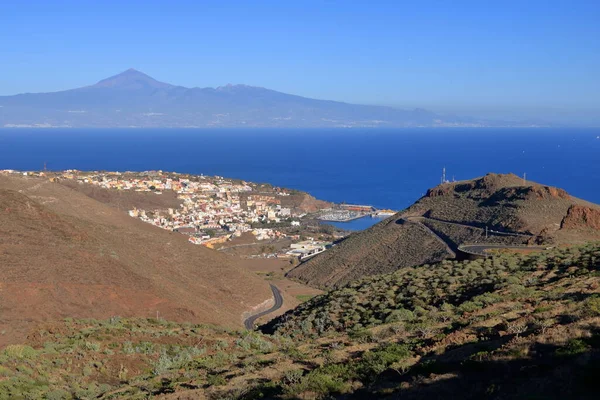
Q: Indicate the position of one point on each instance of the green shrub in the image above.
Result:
(5, 371)
(542, 309)
(215, 380)
(573, 348)
(19, 352)
(591, 306)
(292, 377)
(468, 307)
(361, 335)
(58, 394)
(91, 346)
(322, 383)
(377, 361)
(400, 315)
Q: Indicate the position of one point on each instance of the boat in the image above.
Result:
(383, 213)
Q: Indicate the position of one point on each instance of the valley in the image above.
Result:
(97, 302)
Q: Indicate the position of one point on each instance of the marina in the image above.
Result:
(351, 212)
(341, 215)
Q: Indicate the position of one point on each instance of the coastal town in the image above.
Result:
(220, 213)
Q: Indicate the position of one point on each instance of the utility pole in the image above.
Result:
(524, 178)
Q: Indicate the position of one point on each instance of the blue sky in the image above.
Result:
(453, 56)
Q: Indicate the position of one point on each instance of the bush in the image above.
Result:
(591, 306)
(58, 394)
(322, 383)
(361, 335)
(293, 377)
(468, 307)
(19, 351)
(216, 380)
(377, 361)
(573, 348)
(400, 315)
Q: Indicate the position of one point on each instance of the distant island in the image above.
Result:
(136, 100)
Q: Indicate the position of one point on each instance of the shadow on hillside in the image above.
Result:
(545, 372)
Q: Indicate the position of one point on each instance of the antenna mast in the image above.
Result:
(444, 175)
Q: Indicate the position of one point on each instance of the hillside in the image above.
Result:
(134, 99)
(508, 327)
(452, 214)
(126, 200)
(64, 254)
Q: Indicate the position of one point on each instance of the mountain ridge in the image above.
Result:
(456, 213)
(135, 99)
(129, 77)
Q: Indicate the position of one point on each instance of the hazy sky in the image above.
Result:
(445, 55)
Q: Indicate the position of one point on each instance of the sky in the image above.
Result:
(466, 57)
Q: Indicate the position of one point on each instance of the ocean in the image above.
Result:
(381, 167)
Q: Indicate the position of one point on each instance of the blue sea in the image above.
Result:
(383, 168)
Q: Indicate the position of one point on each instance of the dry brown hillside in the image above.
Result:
(64, 254)
(126, 200)
(452, 214)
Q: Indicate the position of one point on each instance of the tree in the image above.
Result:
(210, 232)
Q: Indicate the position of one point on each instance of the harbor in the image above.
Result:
(351, 212)
(341, 215)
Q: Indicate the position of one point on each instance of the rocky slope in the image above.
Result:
(581, 217)
(64, 254)
(458, 213)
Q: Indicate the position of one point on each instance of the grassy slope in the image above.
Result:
(515, 326)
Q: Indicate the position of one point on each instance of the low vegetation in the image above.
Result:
(511, 326)
(443, 292)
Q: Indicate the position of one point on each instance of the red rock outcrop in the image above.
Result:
(544, 192)
(581, 217)
(440, 190)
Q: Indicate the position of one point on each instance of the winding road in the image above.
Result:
(249, 322)
(417, 221)
(478, 249)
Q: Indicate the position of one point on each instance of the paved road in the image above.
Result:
(417, 221)
(526, 235)
(480, 249)
(476, 249)
(249, 322)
